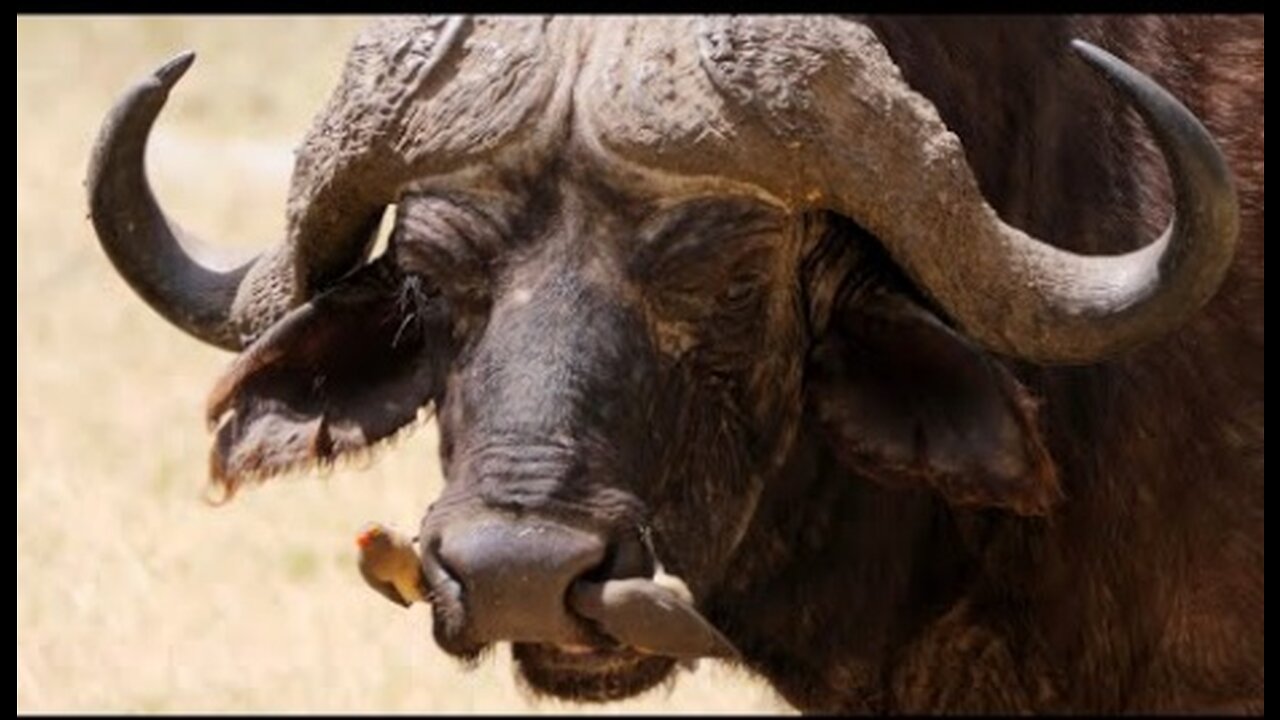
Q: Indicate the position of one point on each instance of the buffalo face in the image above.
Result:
(614, 379)
(618, 391)
(631, 282)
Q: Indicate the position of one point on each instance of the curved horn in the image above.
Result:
(180, 277)
(434, 109)
(176, 273)
(1023, 297)
(823, 100)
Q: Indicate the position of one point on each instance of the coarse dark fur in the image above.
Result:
(880, 516)
(1144, 589)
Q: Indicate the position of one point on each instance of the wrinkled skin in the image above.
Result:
(603, 367)
(879, 514)
(615, 354)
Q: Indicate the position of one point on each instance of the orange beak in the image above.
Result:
(364, 539)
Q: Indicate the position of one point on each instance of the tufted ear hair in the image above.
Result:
(333, 377)
(908, 402)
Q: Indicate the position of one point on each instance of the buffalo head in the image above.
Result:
(635, 264)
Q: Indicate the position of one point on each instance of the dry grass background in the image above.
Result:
(133, 595)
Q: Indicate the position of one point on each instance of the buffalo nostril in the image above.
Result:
(514, 577)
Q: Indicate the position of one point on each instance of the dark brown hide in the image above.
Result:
(878, 514)
(1143, 591)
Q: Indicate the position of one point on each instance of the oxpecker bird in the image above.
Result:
(390, 565)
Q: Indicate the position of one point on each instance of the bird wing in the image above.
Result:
(384, 588)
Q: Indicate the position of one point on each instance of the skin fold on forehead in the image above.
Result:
(455, 96)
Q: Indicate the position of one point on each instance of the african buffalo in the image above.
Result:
(852, 326)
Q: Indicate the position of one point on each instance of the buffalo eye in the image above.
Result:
(740, 292)
(454, 246)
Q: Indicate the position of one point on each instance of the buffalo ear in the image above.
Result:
(334, 376)
(907, 402)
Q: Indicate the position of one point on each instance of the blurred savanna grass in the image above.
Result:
(133, 594)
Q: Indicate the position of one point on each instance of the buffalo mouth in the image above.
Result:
(589, 674)
(629, 635)
(601, 669)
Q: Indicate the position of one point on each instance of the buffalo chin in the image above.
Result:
(600, 676)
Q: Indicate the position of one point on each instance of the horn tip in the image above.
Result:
(1097, 56)
(1082, 46)
(169, 73)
